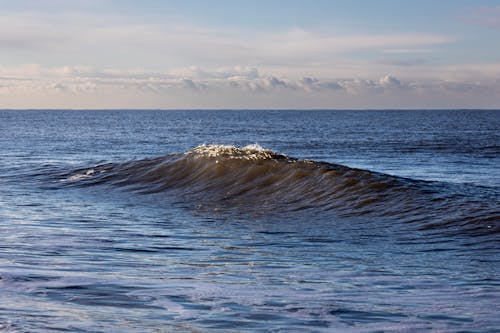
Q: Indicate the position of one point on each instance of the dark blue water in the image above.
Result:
(353, 221)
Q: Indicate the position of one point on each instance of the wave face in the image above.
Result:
(260, 180)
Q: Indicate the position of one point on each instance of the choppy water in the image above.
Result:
(171, 221)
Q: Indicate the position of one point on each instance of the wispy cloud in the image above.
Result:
(403, 62)
(107, 40)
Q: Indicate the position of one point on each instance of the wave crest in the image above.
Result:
(249, 152)
(258, 179)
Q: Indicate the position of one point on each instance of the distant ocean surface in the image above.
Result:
(250, 221)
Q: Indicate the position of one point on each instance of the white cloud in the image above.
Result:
(389, 81)
(36, 86)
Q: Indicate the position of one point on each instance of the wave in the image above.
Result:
(263, 180)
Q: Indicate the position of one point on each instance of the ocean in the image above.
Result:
(249, 221)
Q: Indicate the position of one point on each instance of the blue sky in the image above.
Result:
(249, 54)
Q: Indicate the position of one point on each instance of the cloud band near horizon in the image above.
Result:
(79, 87)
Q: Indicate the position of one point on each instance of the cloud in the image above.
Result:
(464, 87)
(237, 72)
(413, 50)
(106, 40)
(300, 41)
(273, 82)
(405, 62)
(239, 87)
(313, 84)
(389, 81)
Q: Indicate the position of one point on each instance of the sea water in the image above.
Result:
(249, 221)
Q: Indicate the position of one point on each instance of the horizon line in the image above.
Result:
(249, 109)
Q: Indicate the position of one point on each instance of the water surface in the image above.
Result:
(167, 221)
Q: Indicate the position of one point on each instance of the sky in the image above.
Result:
(280, 54)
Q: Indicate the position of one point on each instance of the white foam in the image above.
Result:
(254, 146)
(79, 176)
(249, 152)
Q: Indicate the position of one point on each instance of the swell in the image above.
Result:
(252, 178)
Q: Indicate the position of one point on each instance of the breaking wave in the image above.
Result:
(263, 180)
